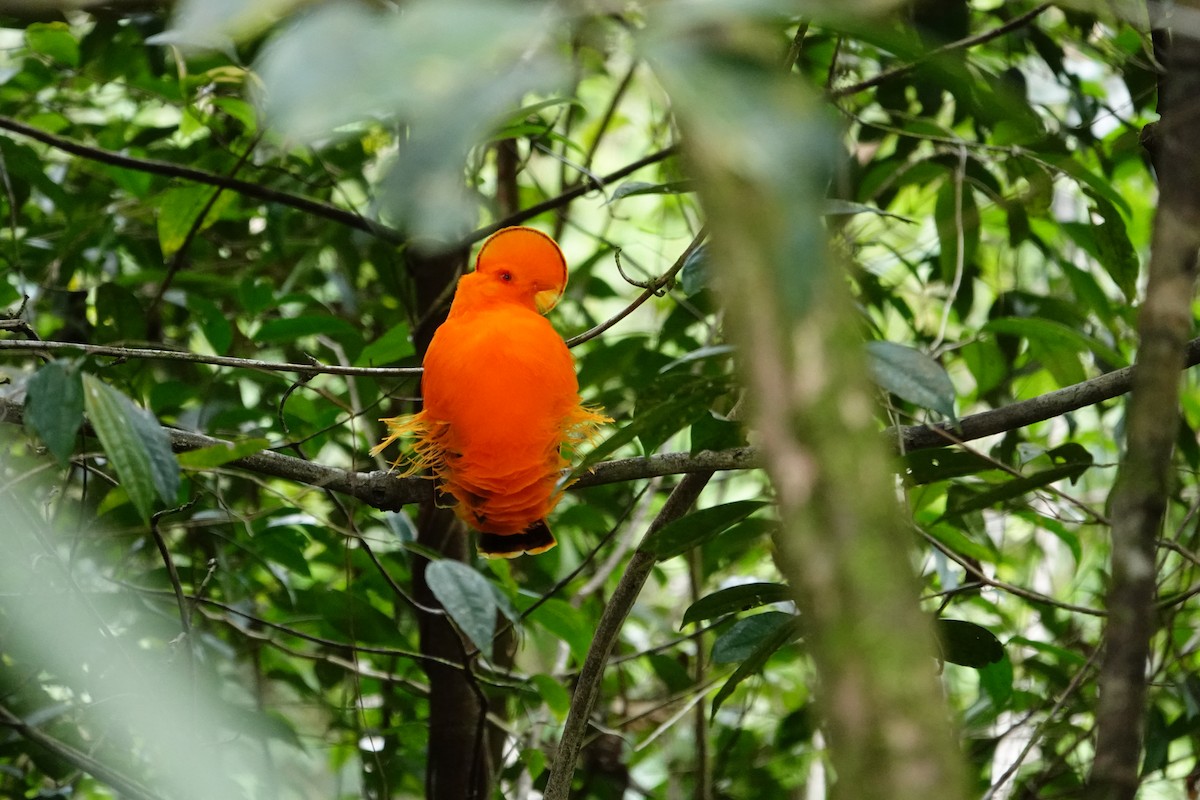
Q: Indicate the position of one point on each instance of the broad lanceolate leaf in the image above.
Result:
(734, 599)
(178, 210)
(53, 39)
(967, 644)
(218, 454)
(679, 536)
(942, 464)
(694, 276)
(631, 188)
(1071, 462)
(468, 599)
(135, 443)
(54, 407)
(957, 219)
(745, 635)
(772, 640)
(834, 208)
(913, 376)
(392, 346)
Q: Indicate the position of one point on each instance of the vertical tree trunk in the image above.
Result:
(458, 766)
(1152, 423)
(844, 546)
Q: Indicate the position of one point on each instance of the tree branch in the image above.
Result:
(961, 44)
(1026, 412)
(315, 207)
(124, 784)
(383, 490)
(304, 370)
(1143, 487)
(571, 194)
(587, 688)
(172, 170)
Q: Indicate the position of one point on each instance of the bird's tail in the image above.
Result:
(535, 539)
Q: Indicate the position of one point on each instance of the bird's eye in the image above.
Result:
(506, 276)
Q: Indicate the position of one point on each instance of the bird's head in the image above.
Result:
(522, 264)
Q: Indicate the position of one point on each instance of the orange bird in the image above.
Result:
(501, 397)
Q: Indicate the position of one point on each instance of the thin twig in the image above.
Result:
(651, 291)
(315, 207)
(961, 44)
(171, 170)
(310, 369)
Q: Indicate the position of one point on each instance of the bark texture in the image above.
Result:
(844, 546)
(1143, 484)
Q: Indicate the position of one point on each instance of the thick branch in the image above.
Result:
(1139, 499)
(1027, 412)
(383, 490)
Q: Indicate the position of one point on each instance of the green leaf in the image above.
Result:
(218, 454)
(284, 545)
(959, 542)
(567, 623)
(712, 432)
(1102, 187)
(1114, 251)
(652, 425)
(967, 644)
(676, 538)
(54, 407)
(137, 445)
(986, 361)
(834, 208)
(913, 376)
(53, 39)
(632, 188)
(178, 209)
(747, 634)
(777, 638)
(467, 597)
(1018, 487)
(289, 329)
(949, 221)
(734, 599)
(214, 324)
(996, 681)
(941, 464)
(389, 348)
(554, 694)
(694, 275)
(700, 354)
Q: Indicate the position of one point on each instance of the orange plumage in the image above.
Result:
(501, 396)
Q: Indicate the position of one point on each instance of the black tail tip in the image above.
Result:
(535, 539)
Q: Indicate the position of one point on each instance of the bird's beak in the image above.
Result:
(546, 299)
